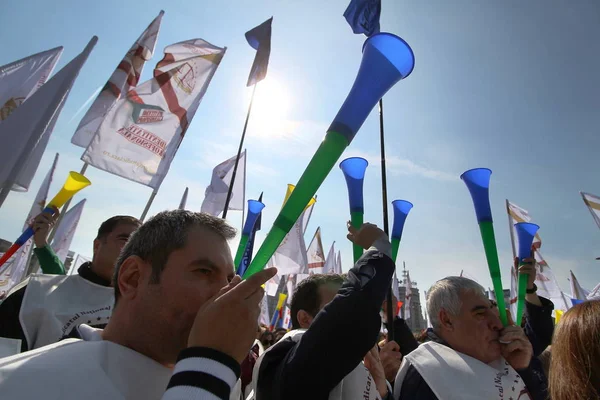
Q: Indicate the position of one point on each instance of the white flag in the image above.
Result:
(183, 201)
(123, 79)
(141, 133)
(338, 263)
(216, 192)
(518, 214)
(545, 280)
(329, 267)
(272, 284)
(595, 293)
(407, 296)
(78, 262)
(14, 270)
(287, 317)
(65, 231)
(34, 120)
(15, 273)
(316, 254)
(593, 203)
(20, 79)
(291, 257)
(577, 292)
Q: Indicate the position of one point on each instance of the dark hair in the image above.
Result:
(164, 233)
(575, 359)
(110, 224)
(306, 296)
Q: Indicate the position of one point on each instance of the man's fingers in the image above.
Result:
(510, 336)
(509, 317)
(254, 282)
(516, 345)
(352, 230)
(392, 346)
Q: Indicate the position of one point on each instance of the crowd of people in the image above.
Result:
(159, 313)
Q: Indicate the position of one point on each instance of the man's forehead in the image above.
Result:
(210, 246)
(471, 298)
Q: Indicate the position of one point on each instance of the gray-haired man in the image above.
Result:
(470, 355)
(175, 294)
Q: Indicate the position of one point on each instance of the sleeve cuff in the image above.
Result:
(202, 373)
(382, 245)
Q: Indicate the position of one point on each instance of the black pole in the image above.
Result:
(237, 159)
(386, 229)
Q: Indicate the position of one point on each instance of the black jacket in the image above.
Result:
(10, 325)
(337, 340)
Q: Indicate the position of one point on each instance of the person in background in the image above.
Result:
(42, 225)
(575, 360)
(470, 354)
(45, 308)
(331, 351)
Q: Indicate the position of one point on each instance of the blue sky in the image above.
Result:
(507, 85)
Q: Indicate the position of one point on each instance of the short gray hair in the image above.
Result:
(164, 233)
(445, 294)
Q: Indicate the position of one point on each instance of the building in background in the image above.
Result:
(416, 322)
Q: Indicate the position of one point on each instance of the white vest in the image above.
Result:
(54, 304)
(455, 376)
(357, 385)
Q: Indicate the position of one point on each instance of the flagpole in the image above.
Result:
(148, 204)
(237, 159)
(390, 311)
(510, 229)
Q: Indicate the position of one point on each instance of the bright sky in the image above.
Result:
(512, 86)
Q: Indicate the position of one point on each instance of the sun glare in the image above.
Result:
(270, 109)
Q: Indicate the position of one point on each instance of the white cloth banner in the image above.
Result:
(264, 317)
(456, 376)
(329, 266)
(20, 79)
(593, 203)
(34, 121)
(338, 263)
(141, 133)
(216, 192)
(595, 293)
(65, 231)
(316, 254)
(123, 79)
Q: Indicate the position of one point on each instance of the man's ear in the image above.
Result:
(304, 319)
(96, 245)
(445, 320)
(131, 276)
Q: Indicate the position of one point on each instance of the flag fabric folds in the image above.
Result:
(329, 266)
(34, 121)
(65, 231)
(545, 280)
(15, 273)
(141, 133)
(122, 80)
(577, 292)
(316, 254)
(291, 255)
(259, 39)
(277, 319)
(338, 263)
(21, 78)
(363, 16)
(216, 192)
(183, 201)
(593, 203)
